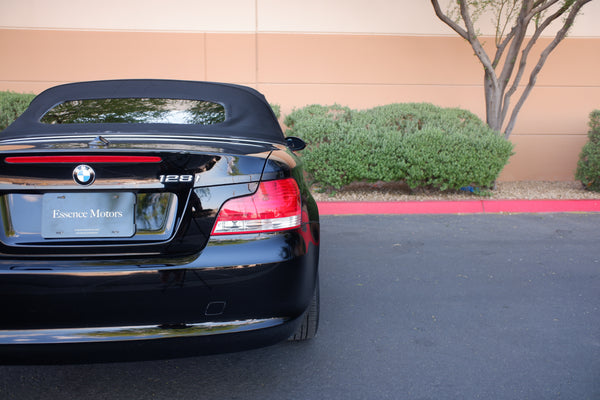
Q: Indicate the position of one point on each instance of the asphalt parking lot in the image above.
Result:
(413, 307)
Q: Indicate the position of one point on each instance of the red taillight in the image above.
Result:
(81, 159)
(274, 207)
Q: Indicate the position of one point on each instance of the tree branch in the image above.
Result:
(500, 48)
(476, 44)
(560, 35)
(469, 35)
(525, 55)
(515, 45)
(501, 27)
(448, 21)
(543, 6)
(508, 48)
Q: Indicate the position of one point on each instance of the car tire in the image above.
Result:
(310, 320)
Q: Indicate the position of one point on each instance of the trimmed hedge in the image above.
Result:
(11, 106)
(276, 110)
(588, 167)
(421, 144)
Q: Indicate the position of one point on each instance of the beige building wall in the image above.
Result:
(354, 52)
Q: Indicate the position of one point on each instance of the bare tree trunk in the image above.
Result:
(497, 98)
(560, 35)
(493, 102)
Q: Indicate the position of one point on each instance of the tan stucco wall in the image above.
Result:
(397, 17)
(359, 53)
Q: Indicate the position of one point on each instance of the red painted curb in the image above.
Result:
(458, 207)
(540, 206)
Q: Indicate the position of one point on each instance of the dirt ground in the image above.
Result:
(527, 190)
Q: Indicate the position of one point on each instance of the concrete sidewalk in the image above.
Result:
(458, 207)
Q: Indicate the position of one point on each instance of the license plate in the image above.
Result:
(91, 215)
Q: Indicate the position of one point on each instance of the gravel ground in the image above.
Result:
(528, 190)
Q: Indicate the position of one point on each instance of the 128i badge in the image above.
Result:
(176, 178)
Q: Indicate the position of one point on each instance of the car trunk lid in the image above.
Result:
(129, 195)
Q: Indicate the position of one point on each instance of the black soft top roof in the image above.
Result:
(248, 114)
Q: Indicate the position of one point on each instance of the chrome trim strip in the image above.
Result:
(129, 333)
(66, 138)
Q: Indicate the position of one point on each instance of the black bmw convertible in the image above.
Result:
(138, 211)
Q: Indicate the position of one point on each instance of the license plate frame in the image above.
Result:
(88, 215)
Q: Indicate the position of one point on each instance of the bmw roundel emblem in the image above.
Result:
(84, 175)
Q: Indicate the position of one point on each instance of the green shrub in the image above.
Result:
(451, 161)
(588, 167)
(315, 123)
(421, 144)
(11, 106)
(276, 110)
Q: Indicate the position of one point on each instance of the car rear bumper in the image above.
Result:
(130, 333)
(164, 347)
(235, 289)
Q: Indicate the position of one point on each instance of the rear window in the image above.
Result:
(136, 111)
